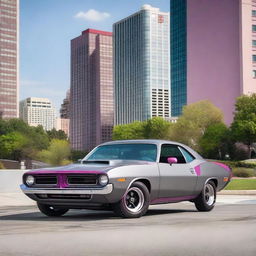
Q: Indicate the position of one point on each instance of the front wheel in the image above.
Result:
(134, 203)
(51, 211)
(205, 202)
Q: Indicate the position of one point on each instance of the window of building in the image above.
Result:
(254, 73)
(254, 58)
(253, 28)
(253, 42)
(254, 13)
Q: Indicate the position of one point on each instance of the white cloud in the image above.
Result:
(92, 15)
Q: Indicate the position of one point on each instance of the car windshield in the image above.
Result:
(143, 152)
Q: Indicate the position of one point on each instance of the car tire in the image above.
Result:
(134, 203)
(50, 210)
(205, 202)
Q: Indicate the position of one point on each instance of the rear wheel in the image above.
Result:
(134, 203)
(206, 200)
(51, 211)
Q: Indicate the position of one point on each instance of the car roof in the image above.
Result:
(148, 141)
(154, 141)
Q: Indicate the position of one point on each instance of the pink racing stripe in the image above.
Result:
(198, 170)
(172, 199)
(223, 166)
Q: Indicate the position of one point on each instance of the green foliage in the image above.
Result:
(11, 143)
(54, 134)
(130, 131)
(77, 154)
(21, 141)
(57, 153)
(154, 128)
(213, 144)
(193, 122)
(244, 125)
(243, 172)
(244, 164)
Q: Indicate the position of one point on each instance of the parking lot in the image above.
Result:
(173, 229)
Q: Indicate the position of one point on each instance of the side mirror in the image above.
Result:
(172, 160)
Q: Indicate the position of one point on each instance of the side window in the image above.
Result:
(187, 155)
(168, 150)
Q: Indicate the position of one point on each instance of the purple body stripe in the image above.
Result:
(172, 199)
(223, 166)
(198, 170)
(62, 175)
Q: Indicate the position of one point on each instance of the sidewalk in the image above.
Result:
(237, 192)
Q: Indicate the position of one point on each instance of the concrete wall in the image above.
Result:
(10, 180)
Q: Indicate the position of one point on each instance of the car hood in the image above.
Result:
(89, 167)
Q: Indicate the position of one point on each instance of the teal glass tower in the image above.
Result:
(142, 66)
(178, 20)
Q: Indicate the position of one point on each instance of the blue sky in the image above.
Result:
(46, 28)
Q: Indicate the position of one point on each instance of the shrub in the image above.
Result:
(243, 164)
(243, 172)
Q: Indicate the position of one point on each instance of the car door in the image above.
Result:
(177, 179)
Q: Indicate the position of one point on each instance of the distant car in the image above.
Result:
(126, 177)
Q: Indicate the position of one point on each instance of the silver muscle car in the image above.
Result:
(127, 177)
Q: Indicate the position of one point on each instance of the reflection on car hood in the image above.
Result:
(91, 166)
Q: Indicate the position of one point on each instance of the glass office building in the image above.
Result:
(91, 89)
(9, 58)
(212, 49)
(141, 66)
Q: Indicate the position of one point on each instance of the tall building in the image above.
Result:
(91, 92)
(9, 58)
(65, 107)
(213, 52)
(62, 123)
(38, 111)
(142, 66)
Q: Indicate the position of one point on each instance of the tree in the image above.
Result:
(157, 128)
(21, 141)
(54, 134)
(244, 125)
(57, 153)
(213, 144)
(11, 145)
(193, 122)
(77, 154)
(130, 131)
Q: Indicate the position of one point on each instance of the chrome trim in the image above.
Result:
(95, 191)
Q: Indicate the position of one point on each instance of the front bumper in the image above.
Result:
(95, 191)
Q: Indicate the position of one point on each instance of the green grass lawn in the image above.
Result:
(241, 184)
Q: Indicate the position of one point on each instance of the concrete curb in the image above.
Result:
(237, 192)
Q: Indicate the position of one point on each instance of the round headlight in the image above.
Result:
(103, 180)
(30, 180)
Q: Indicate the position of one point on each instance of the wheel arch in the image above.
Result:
(145, 181)
(213, 179)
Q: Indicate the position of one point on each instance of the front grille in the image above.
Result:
(45, 180)
(64, 196)
(86, 179)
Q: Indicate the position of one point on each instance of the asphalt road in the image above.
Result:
(174, 229)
